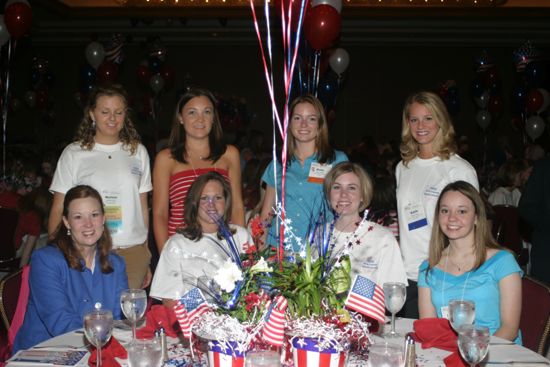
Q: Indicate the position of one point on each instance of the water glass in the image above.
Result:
(395, 295)
(133, 303)
(473, 343)
(262, 358)
(98, 327)
(385, 355)
(144, 353)
(461, 313)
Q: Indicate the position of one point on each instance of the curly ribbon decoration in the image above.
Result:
(5, 107)
(290, 56)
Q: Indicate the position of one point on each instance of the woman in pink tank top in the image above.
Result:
(195, 147)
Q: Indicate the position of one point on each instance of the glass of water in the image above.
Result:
(133, 303)
(473, 343)
(461, 313)
(385, 355)
(144, 353)
(262, 358)
(395, 295)
(98, 327)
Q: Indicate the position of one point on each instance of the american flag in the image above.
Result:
(274, 328)
(367, 298)
(190, 306)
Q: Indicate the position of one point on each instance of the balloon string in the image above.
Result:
(5, 108)
(316, 67)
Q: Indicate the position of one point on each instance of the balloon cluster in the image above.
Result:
(234, 115)
(16, 21)
(153, 72)
(530, 100)
(42, 80)
(448, 92)
(102, 63)
(487, 90)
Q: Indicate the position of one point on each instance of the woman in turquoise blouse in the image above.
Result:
(465, 262)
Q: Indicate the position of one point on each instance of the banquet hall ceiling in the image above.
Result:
(369, 22)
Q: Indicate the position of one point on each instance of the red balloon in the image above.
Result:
(168, 73)
(41, 99)
(18, 19)
(322, 26)
(518, 123)
(107, 72)
(491, 76)
(143, 74)
(534, 100)
(495, 105)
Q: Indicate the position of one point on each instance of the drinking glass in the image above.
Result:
(98, 327)
(385, 355)
(461, 313)
(395, 295)
(133, 303)
(262, 358)
(144, 353)
(473, 343)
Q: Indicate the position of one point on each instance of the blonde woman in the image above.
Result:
(429, 163)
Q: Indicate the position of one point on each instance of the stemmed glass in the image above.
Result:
(395, 295)
(98, 327)
(473, 343)
(133, 303)
(461, 313)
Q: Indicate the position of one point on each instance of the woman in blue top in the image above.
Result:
(465, 262)
(74, 276)
(310, 157)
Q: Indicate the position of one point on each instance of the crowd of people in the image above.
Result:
(414, 213)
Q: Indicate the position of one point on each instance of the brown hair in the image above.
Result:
(176, 142)
(193, 229)
(483, 238)
(365, 181)
(65, 242)
(444, 142)
(325, 153)
(87, 130)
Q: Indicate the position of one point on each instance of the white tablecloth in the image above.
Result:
(501, 352)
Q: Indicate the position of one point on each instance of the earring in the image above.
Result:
(68, 231)
(93, 124)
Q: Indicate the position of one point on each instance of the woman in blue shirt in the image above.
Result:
(75, 275)
(310, 157)
(465, 262)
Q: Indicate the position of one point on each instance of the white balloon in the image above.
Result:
(157, 83)
(336, 4)
(95, 53)
(483, 119)
(545, 99)
(30, 98)
(339, 60)
(483, 100)
(4, 34)
(534, 126)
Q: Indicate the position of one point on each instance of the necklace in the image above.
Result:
(459, 267)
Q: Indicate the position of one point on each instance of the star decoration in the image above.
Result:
(301, 342)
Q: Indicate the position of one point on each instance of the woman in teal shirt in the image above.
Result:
(465, 262)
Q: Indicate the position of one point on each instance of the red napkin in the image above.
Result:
(157, 317)
(438, 333)
(111, 350)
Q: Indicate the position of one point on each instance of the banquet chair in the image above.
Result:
(10, 286)
(535, 314)
(507, 233)
(8, 224)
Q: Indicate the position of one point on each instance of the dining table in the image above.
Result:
(502, 353)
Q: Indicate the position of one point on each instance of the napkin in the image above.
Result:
(111, 350)
(157, 317)
(438, 333)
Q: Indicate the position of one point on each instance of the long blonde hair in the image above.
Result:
(444, 142)
(483, 238)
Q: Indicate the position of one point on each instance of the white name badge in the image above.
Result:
(317, 172)
(445, 312)
(415, 216)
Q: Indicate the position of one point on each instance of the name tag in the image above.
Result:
(445, 312)
(317, 172)
(415, 216)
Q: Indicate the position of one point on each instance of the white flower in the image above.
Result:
(261, 267)
(228, 275)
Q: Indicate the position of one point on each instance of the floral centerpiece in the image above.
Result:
(259, 298)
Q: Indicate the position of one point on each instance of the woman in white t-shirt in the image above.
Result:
(429, 163)
(107, 155)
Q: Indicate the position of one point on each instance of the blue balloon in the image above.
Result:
(35, 77)
(88, 74)
(519, 95)
(327, 90)
(535, 73)
(453, 104)
(477, 87)
(154, 65)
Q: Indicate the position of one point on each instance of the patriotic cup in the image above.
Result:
(306, 353)
(225, 354)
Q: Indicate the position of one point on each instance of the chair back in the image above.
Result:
(507, 231)
(8, 225)
(10, 287)
(535, 314)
